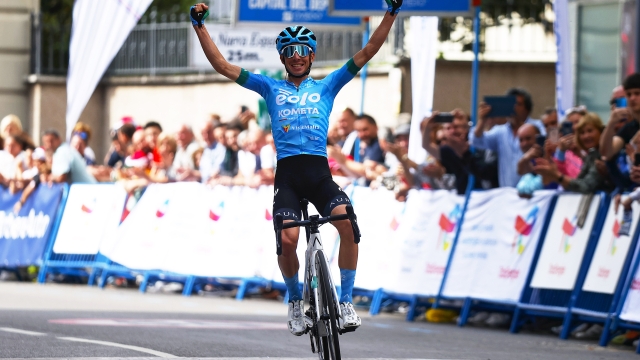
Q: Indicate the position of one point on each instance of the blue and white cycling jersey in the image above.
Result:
(299, 115)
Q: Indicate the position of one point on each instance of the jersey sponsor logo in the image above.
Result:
(300, 111)
(288, 97)
(286, 128)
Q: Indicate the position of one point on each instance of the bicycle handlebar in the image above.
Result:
(315, 221)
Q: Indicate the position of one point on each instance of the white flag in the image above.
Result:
(98, 32)
(424, 50)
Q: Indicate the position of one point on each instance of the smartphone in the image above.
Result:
(443, 118)
(501, 106)
(636, 161)
(566, 128)
(540, 139)
(621, 102)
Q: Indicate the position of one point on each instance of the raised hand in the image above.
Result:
(394, 6)
(198, 13)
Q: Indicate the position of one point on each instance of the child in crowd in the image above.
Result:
(41, 174)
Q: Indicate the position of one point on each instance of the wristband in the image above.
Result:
(394, 6)
(197, 18)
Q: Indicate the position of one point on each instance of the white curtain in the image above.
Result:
(424, 50)
(99, 30)
(564, 69)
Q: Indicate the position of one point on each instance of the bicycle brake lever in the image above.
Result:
(278, 228)
(354, 224)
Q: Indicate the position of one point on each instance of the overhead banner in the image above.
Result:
(98, 31)
(564, 66)
(283, 13)
(23, 236)
(424, 31)
(409, 7)
(565, 244)
(249, 49)
(424, 239)
(499, 236)
(611, 252)
(92, 213)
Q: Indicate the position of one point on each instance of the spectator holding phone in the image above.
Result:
(502, 139)
(531, 145)
(568, 156)
(588, 134)
(612, 142)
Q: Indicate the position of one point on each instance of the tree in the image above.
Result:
(494, 13)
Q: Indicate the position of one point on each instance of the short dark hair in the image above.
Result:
(350, 112)
(528, 103)
(632, 82)
(235, 125)
(127, 130)
(154, 124)
(51, 132)
(367, 118)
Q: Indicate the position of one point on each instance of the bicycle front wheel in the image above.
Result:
(328, 308)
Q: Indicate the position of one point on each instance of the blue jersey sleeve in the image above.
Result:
(256, 82)
(339, 78)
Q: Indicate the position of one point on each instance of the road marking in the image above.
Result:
(123, 346)
(176, 323)
(23, 332)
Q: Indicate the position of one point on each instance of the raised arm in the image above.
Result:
(198, 13)
(362, 57)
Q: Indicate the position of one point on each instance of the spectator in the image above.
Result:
(229, 165)
(366, 161)
(152, 131)
(120, 143)
(247, 162)
(345, 126)
(550, 119)
(568, 156)
(529, 181)
(141, 156)
(67, 164)
(400, 177)
(84, 130)
(268, 161)
(612, 143)
(214, 151)
(164, 172)
(450, 148)
(186, 147)
(42, 174)
(79, 140)
(502, 139)
(590, 179)
(12, 159)
(10, 125)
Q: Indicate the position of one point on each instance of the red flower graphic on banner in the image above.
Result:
(86, 209)
(569, 229)
(215, 215)
(394, 224)
(162, 210)
(267, 215)
(523, 228)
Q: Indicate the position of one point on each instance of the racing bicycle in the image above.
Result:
(319, 288)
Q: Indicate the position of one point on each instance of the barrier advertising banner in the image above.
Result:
(250, 49)
(92, 213)
(564, 245)
(379, 218)
(631, 307)
(424, 239)
(312, 13)
(23, 236)
(497, 242)
(611, 252)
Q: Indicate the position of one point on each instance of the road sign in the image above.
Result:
(409, 7)
(313, 13)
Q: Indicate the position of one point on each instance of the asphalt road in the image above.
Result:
(56, 321)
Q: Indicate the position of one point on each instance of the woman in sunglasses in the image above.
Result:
(299, 107)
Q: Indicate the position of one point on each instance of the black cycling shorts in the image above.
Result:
(305, 177)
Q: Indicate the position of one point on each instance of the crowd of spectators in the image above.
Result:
(577, 152)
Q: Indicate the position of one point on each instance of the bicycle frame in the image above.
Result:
(314, 244)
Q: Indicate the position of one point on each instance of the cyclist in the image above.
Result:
(299, 107)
